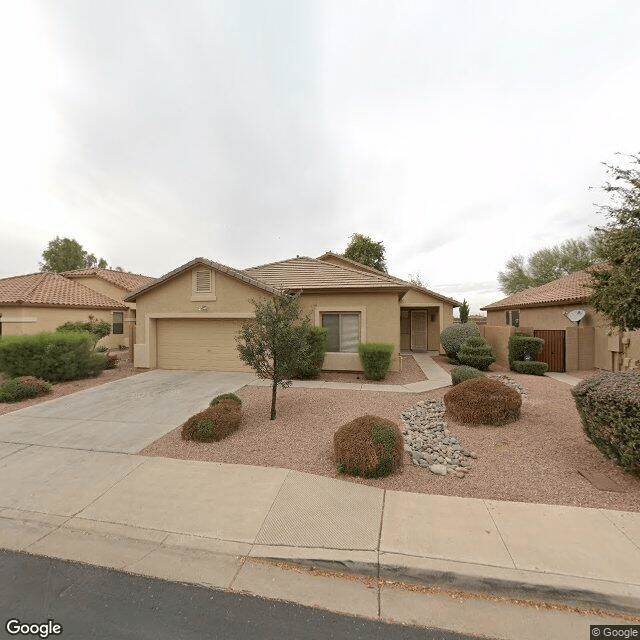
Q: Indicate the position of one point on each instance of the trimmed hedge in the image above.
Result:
(225, 396)
(521, 345)
(316, 338)
(368, 446)
(476, 352)
(609, 405)
(214, 423)
(97, 328)
(454, 335)
(67, 355)
(460, 374)
(376, 359)
(530, 367)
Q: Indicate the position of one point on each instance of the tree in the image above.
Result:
(616, 286)
(275, 345)
(549, 264)
(416, 278)
(464, 311)
(364, 250)
(66, 254)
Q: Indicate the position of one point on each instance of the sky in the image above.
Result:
(457, 132)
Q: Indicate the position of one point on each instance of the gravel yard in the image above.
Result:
(535, 459)
(411, 372)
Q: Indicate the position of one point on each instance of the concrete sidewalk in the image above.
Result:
(204, 522)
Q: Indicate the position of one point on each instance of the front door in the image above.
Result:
(418, 330)
(405, 330)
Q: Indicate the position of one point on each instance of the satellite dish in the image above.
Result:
(575, 315)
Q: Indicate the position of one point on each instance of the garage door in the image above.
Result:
(198, 344)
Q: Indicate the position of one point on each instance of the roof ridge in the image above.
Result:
(269, 264)
(37, 283)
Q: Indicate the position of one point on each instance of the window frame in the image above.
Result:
(354, 312)
(115, 324)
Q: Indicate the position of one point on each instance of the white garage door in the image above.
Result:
(198, 344)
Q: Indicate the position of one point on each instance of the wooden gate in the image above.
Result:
(553, 350)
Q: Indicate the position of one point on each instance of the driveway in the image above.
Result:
(123, 416)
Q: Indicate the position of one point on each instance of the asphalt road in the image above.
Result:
(94, 603)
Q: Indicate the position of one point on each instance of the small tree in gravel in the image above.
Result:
(275, 344)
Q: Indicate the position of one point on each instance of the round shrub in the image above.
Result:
(609, 405)
(225, 396)
(375, 358)
(454, 335)
(14, 391)
(530, 367)
(214, 423)
(368, 446)
(476, 352)
(460, 374)
(524, 348)
(483, 401)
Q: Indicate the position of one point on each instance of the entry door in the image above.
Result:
(553, 350)
(405, 330)
(418, 330)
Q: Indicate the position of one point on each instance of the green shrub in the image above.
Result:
(41, 386)
(476, 352)
(225, 396)
(101, 349)
(66, 355)
(96, 328)
(609, 405)
(530, 367)
(454, 335)
(521, 346)
(111, 360)
(15, 390)
(214, 423)
(460, 374)
(317, 339)
(375, 358)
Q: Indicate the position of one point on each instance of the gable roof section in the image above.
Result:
(572, 289)
(234, 273)
(308, 273)
(52, 290)
(123, 279)
(352, 264)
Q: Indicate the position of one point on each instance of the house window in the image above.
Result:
(343, 332)
(118, 322)
(515, 318)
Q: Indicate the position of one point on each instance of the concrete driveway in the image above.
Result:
(123, 416)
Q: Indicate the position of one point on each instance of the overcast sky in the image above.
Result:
(457, 132)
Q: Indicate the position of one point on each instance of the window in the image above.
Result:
(515, 318)
(118, 322)
(343, 331)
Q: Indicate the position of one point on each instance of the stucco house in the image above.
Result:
(188, 319)
(542, 311)
(40, 302)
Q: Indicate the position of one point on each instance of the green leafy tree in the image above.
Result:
(549, 264)
(275, 343)
(366, 251)
(616, 287)
(66, 254)
(416, 278)
(464, 311)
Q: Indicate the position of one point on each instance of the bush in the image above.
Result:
(530, 367)
(101, 349)
(214, 423)
(14, 391)
(476, 352)
(96, 328)
(483, 401)
(522, 347)
(55, 357)
(368, 446)
(375, 358)
(225, 396)
(317, 338)
(609, 405)
(41, 386)
(111, 360)
(454, 335)
(460, 374)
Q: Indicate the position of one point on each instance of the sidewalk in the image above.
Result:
(205, 523)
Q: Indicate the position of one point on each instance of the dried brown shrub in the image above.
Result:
(368, 446)
(41, 386)
(483, 401)
(214, 423)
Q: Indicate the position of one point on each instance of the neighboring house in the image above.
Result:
(189, 318)
(542, 311)
(41, 302)
(116, 285)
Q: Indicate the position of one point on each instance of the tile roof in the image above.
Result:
(309, 273)
(570, 289)
(52, 290)
(363, 267)
(122, 279)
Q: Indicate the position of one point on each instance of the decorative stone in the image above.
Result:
(438, 469)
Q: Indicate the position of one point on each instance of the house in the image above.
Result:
(116, 285)
(569, 345)
(40, 302)
(188, 319)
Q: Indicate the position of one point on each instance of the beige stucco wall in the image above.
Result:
(498, 338)
(48, 319)
(102, 286)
